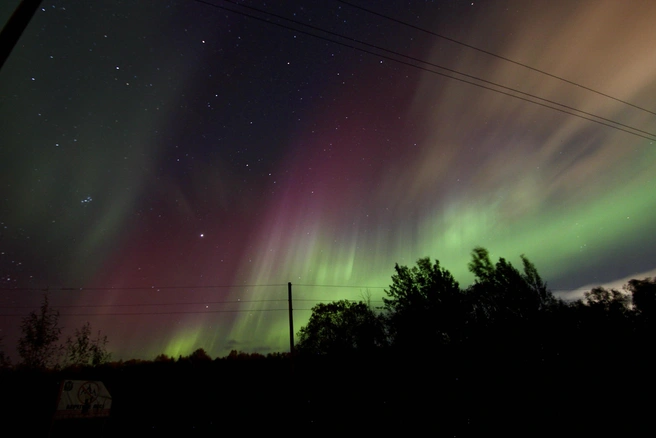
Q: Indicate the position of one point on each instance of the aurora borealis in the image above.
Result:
(195, 160)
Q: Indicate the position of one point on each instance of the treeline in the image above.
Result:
(40, 346)
(425, 310)
(503, 355)
(500, 356)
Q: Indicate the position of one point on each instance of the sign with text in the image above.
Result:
(83, 399)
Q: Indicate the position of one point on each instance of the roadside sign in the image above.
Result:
(83, 399)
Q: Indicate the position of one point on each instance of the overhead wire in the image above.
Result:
(156, 304)
(189, 303)
(602, 120)
(368, 52)
(192, 288)
(204, 303)
(487, 52)
(160, 313)
(341, 286)
(136, 288)
(47, 289)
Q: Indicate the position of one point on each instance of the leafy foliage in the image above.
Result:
(607, 301)
(342, 327)
(38, 347)
(82, 350)
(424, 303)
(164, 358)
(501, 293)
(643, 293)
(242, 355)
(200, 355)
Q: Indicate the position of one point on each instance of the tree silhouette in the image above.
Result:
(164, 358)
(82, 350)
(425, 304)
(38, 346)
(606, 315)
(5, 362)
(342, 327)
(536, 285)
(643, 293)
(502, 293)
(607, 301)
(200, 355)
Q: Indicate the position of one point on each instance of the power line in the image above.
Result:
(340, 285)
(200, 303)
(185, 303)
(161, 304)
(160, 313)
(189, 303)
(652, 138)
(134, 288)
(190, 288)
(156, 304)
(494, 55)
(324, 301)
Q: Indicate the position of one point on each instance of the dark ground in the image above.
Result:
(595, 392)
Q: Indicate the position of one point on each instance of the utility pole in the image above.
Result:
(14, 28)
(291, 319)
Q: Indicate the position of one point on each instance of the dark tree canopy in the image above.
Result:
(5, 362)
(424, 304)
(643, 293)
(503, 293)
(84, 350)
(200, 355)
(38, 347)
(342, 327)
(607, 300)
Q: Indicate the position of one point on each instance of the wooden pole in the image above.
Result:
(291, 319)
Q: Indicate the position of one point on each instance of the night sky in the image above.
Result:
(196, 160)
